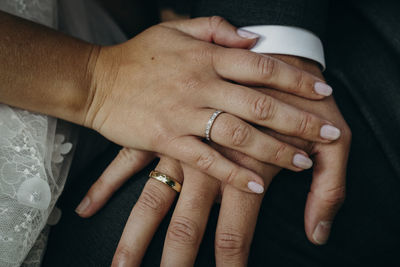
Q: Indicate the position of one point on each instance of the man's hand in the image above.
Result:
(239, 210)
(164, 84)
(327, 191)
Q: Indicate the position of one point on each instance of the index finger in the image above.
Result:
(250, 68)
(215, 29)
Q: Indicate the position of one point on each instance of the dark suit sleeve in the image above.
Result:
(307, 14)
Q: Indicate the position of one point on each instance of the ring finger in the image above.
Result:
(148, 212)
(229, 131)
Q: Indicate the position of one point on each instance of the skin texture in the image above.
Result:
(239, 210)
(122, 103)
(127, 88)
(43, 70)
(120, 89)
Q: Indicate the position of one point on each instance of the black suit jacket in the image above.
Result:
(307, 14)
(362, 46)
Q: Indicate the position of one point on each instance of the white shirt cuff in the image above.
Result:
(288, 40)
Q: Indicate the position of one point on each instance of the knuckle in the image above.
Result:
(279, 152)
(230, 177)
(267, 66)
(239, 134)
(215, 22)
(183, 230)
(205, 161)
(230, 244)
(201, 54)
(334, 196)
(190, 84)
(304, 126)
(160, 136)
(206, 52)
(152, 199)
(126, 156)
(264, 108)
(299, 81)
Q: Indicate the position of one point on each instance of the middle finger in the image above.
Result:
(190, 218)
(231, 132)
(264, 110)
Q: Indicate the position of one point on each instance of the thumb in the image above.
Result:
(327, 192)
(216, 30)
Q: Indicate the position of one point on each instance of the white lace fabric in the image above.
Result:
(34, 161)
(40, 11)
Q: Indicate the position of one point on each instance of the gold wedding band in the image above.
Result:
(165, 179)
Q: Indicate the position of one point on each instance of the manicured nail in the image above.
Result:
(322, 89)
(321, 232)
(329, 132)
(83, 205)
(256, 188)
(302, 161)
(246, 34)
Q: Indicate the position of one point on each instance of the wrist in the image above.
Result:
(79, 95)
(102, 71)
(88, 86)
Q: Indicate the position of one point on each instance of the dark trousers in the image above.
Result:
(363, 69)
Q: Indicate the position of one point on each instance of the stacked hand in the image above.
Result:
(157, 91)
(191, 80)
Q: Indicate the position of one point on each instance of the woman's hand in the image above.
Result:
(239, 210)
(157, 91)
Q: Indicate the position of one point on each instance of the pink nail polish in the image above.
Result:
(329, 132)
(255, 187)
(246, 34)
(83, 205)
(302, 161)
(322, 89)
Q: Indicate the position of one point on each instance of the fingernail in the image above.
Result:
(321, 232)
(246, 34)
(83, 205)
(322, 89)
(255, 187)
(329, 132)
(122, 263)
(302, 161)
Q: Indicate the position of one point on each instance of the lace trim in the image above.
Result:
(40, 11)
(31, 159)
